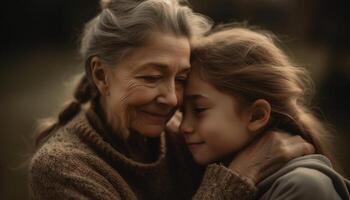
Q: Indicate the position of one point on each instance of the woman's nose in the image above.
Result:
(168, 96)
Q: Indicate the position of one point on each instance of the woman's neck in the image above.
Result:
(142, 148)
(127, 141)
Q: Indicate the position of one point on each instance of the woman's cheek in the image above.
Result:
(142, 95)
(179, 96)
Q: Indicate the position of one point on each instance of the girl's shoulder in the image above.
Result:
(306, 177)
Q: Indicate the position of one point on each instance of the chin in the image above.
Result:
(201, 161)
(151, 130)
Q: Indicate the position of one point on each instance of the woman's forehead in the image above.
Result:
(168, 53)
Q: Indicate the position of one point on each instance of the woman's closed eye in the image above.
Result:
(150, 78)
(181, 80)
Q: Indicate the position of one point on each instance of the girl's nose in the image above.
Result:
(186, 126)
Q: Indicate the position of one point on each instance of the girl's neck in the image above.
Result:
(226, 160)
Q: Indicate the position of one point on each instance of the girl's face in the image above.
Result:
(147, 85)
(211, 125)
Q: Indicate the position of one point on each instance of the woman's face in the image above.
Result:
(147, 85)
(211, 125)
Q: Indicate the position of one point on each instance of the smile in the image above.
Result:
(155, 117)
(194, 144)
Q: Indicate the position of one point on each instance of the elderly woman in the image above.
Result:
(136, 64)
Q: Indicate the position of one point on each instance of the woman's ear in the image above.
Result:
(99, 75)
(260, 112)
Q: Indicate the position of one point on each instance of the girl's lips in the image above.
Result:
(194, 144)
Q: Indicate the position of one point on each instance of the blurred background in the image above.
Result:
(39, 60)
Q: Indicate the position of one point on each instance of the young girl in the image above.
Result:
(242, 84)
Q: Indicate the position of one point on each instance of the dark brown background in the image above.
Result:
(39, 60)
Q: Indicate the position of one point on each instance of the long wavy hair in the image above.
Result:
(248, 64)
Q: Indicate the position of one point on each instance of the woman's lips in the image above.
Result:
(155, 117)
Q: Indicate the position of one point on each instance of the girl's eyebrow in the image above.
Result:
(195, 97)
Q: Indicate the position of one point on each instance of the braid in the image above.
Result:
(85, 90)
(83, 93)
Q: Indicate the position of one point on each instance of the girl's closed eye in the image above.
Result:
(199, 110)
(200, 106)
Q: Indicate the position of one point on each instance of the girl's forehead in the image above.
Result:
(197, 87)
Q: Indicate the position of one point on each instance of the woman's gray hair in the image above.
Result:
(126, 24)
(121, 26)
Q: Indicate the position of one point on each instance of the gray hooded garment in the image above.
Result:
(309, 177)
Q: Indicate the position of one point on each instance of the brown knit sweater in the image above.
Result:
(79, 162)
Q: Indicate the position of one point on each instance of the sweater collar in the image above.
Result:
(91, 128)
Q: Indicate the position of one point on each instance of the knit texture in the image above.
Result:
(77, 162)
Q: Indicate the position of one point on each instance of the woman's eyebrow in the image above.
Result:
(162, 67)
(185, 70)
(151, 65)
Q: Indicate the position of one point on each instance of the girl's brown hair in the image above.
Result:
(248, 63)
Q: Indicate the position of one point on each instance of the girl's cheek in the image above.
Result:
(205, 128)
